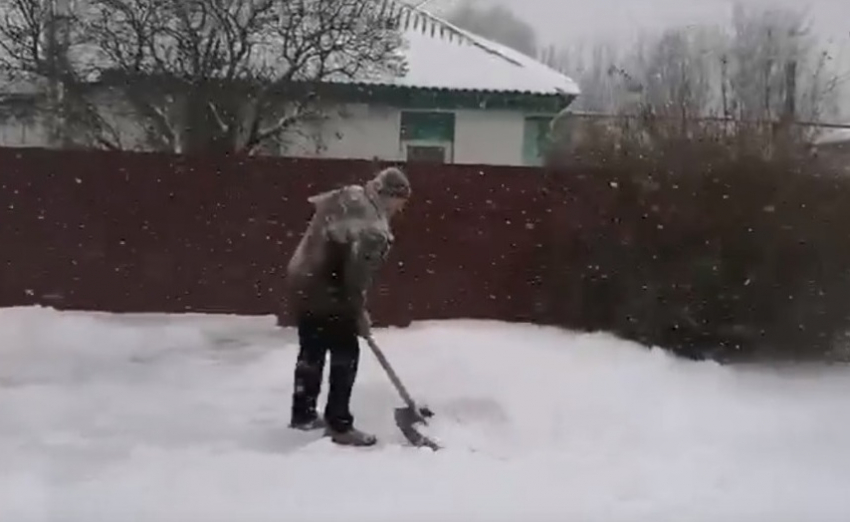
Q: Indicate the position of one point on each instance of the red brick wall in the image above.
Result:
(127, 232)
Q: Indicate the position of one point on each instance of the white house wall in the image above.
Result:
(360, 132)
(367, 132)
(489, 137)
(35, 132)
(22, 133)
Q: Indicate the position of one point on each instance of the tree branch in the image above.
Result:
(223, 57)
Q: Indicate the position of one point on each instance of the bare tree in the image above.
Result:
(37, 47)
(195, 75)
(677, 75)
(777, 67)
(595, 67)
(764, 70)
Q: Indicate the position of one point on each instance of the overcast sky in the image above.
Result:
(567, 22)
(558, 20)
(576, 20)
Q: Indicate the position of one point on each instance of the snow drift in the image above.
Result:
(166, 418)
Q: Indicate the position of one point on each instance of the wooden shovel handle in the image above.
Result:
(391, 373)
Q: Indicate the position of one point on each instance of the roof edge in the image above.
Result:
(502, 51)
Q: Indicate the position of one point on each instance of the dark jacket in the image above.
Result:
(344, 246)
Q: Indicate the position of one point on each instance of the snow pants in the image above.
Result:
(318, 335)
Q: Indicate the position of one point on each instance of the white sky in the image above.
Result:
(574, 20)
(567, 22)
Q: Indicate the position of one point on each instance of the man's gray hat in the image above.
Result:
(392, 182)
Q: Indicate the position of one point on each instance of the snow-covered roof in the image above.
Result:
(441, 55)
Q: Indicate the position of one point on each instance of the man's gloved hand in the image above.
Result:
(364, 325)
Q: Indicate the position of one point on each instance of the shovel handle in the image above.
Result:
(391, 373)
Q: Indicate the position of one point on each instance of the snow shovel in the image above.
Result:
(406, 418)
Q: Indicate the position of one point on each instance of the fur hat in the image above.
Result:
(391, 182)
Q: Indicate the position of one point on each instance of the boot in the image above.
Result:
(351, 437)
(311, 425)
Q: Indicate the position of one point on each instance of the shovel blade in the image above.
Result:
(407, 419)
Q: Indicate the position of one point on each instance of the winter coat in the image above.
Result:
(345, 244)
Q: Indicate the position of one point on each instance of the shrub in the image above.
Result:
(703, 252)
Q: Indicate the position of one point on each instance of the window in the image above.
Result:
(535, 139)
(427, 136)
(426, 153)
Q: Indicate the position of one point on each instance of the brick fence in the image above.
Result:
(134, 232)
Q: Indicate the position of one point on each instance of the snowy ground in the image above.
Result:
(106, 418)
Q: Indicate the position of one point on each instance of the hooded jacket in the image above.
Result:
(345, 244)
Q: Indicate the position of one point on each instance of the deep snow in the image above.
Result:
(154, 418)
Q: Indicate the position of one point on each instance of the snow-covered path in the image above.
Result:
(154, 418)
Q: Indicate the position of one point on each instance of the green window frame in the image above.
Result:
(536, 139)
(428, 126)
(427, 131)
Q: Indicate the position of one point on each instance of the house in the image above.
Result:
(18, 125)
(463, 99)
(832, 148)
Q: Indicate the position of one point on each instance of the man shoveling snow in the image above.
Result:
(345, 243)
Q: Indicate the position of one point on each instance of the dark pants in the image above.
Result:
(318, 335)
